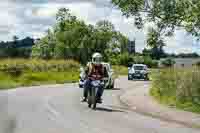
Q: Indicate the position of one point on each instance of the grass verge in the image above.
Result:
(18, 72)
(177, 88)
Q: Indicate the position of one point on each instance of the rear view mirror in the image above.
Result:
(81, 69)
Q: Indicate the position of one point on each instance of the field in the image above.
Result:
(20, 72)
(178, 88)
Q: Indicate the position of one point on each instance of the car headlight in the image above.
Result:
(131, 71)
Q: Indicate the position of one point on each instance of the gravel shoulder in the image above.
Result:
(137, 97)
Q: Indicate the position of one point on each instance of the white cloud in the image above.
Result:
(45, 12)
(34, 17)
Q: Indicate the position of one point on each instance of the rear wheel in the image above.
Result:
(89, 105)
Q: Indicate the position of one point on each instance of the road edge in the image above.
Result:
(155, 116)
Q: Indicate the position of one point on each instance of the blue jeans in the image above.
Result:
(87, 87)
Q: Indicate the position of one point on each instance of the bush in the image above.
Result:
(150, 63)
(198, 64)
(124, 59)
(138, 59)
(127, 60)
(169, 62)
(121, 59)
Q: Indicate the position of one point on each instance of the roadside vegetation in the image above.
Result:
(20, 72)
(23, 72)
(120, 70)
(178, 88)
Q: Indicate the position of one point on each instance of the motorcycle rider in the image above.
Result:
(94, 71)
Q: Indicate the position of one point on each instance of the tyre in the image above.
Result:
(129, 78)
(94, 101)
(89, 99)
(80, 86)
(89, 103)
(112, 85)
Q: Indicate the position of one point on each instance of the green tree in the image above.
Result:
(146, 52)
(105, 25)
(45, 47)
(71, 38)
(169, 62)
(166, 15)
(64, 16)
(156, 43)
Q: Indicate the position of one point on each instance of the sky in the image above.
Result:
(33, 18)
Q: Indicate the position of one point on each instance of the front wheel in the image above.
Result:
(89, 100)
(80, 86)
(89, 103)
(112, 86)
(94, 100)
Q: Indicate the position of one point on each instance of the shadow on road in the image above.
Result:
(108, 109)
(7, 125)
(140, 80)
(114, 89)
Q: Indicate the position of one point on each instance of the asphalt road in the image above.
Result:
(57, 109)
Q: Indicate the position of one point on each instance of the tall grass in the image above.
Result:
(36, 65)
(178, 87)
(21, 72)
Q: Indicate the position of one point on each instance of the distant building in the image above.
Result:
(184, 62)
(131, 47)
(23, 43)
(26, 43)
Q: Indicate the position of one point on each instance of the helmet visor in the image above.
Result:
(97, 60)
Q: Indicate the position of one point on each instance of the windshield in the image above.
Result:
(139, 67)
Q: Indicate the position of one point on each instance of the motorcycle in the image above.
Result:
(92, 93)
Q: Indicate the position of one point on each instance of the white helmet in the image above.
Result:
(97, 58)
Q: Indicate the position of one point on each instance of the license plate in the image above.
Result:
(95, 83)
